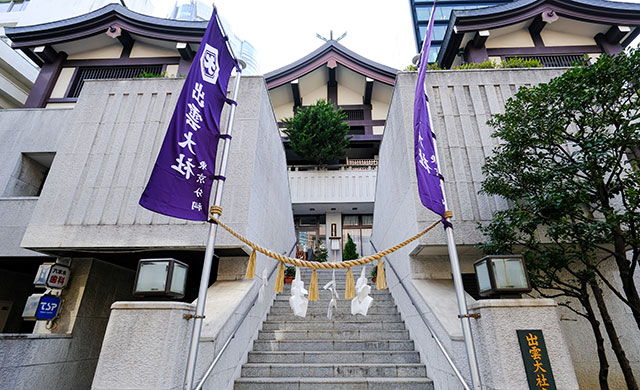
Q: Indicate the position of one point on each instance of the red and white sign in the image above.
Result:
(58, 276)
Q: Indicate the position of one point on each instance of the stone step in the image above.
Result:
(323, 294)
(339, 302)
(333, 357)
(365, 335)
(333, 345)
(337, 315)
(332, 325)
(325, 370)
(340, 289)
(367, 383)
(322, 309)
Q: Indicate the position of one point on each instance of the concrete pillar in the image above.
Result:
(337, 219)
(501, 363)
(145, 346)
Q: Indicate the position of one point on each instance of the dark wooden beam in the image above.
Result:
(125, 61)
(368, 91)
(46, 53)
(29, 53)
(535, 28)
(332, 87)
(476, 51)
(185, 50)
(616, 33)
(479, 39)
(45, 82)
(611, 48)
(297, 99)
(126, 40)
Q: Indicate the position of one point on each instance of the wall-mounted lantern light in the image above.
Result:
(502, 276)
(161, 278)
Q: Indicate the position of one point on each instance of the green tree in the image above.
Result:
(350, 251)
(567, 163)
(318, 133)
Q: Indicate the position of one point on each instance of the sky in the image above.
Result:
(283, 31)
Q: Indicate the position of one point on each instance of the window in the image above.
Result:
(29, 175)
(113, 72)
(311, 231)
(555, 61)
(359, 228)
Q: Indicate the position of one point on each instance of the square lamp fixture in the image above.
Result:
(161, 278)
(502, 276)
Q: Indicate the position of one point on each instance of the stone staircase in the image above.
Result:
(348, 352)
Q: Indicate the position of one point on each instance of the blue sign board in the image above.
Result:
(48, 307)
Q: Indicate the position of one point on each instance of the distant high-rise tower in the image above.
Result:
(198, 10)
(421, 10)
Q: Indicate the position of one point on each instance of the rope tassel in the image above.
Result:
(313, 287)
(251, 266)
(280, 279)
(381, 282)
(349, 292)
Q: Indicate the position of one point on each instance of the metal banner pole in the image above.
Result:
(208, 256)
(457, 279)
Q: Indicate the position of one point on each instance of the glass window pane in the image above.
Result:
(178, 278)
(439, 32)
(367, 220)
(367, 249)
(152, 276)
(350, 220)
(509, 273)
(484, 280)
(443, 13)
(433, 53)
(308, 220)
(422, 12)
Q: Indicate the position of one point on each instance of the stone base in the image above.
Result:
(497, 348)
(145, 346)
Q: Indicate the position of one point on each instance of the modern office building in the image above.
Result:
(74, 163)
(421, 9)
(198, 10)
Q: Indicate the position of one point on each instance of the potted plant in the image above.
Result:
(374, 274)
(289, 273)
(320, 253)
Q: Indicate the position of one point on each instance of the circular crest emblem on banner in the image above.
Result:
(209, 64)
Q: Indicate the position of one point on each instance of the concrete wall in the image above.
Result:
(23, 131)
(256, 202)
(341, 186)
(61, 359)
(110, 145)
(461, 103)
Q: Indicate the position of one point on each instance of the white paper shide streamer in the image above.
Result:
(298, 302)
(360, 304)
(265, 283)
(333, 304)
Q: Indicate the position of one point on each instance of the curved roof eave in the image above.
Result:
(331, 50)
(95, 22)
(517, 11)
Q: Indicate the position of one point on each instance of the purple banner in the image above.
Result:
(181, 179)
(426, 166)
